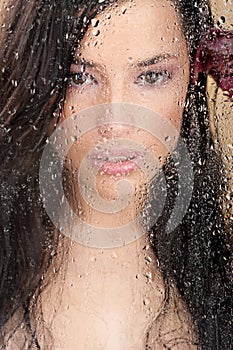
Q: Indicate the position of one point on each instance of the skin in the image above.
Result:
(108, 298)
(118, 78)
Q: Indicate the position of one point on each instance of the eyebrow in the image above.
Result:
(155, 59)
(83, 62)
(144, 63)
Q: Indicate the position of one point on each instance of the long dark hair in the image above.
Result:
(37, 44)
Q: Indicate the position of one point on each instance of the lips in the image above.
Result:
(118, 168)
(115, 161)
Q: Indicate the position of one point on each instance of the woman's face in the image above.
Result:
(132, 53)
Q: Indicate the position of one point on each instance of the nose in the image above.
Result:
(112, 131)
(116, 120)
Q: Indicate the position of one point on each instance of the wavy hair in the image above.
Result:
(37, 45)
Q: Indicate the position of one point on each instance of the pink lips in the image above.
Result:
(118, 168)
(116, 161)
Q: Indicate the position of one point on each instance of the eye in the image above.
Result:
(81, 78)
(153, 77)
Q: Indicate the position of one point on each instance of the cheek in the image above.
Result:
(172, 99)
(169, 106)
(78, 100)
(80, 149)
(168, 101)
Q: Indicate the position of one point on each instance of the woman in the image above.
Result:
(48, 75)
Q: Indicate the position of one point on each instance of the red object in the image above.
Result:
(214, 56)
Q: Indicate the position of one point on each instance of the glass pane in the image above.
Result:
(115, 179)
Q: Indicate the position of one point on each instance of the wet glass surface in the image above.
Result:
(116, 175)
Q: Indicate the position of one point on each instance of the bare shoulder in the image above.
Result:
(14, 334)
(18, 341)
(173, 328)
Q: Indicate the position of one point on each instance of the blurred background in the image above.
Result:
(222, 112)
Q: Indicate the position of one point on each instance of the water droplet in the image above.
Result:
(130, 59)
(146, 302)
(16, 55)
(148, 259)
(14, 82)
(228, 196)
(74, 138)
(123, 10)
(94, 22)
(95, 32)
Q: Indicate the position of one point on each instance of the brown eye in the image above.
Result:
(80, 79)
(153, 77)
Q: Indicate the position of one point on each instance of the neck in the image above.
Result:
(110, 299)
(113, 289)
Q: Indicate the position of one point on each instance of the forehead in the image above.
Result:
(134, 28)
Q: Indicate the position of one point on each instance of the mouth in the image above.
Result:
(115, 161)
